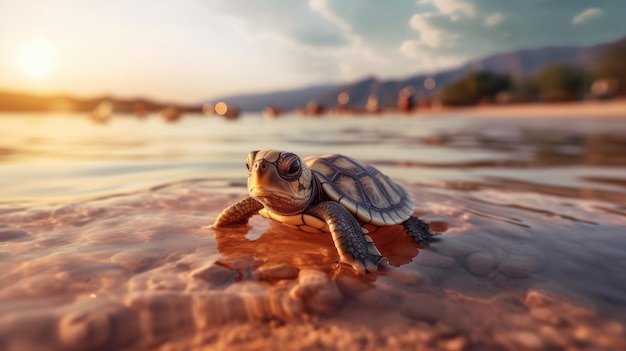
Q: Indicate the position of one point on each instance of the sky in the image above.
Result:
(191, 51)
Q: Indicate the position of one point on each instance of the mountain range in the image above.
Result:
(518, 64)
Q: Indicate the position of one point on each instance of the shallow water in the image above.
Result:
(105, 244)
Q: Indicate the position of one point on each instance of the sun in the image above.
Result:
(36, 57)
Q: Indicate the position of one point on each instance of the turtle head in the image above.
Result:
(280, 181)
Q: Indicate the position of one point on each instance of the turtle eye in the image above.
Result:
(251, 158)
(294, 168)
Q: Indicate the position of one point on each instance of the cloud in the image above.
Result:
(436, 26)
(438, 31)
(429, 34)
(291, 23)
(411, 49)
(322, 7)
(452, 8)
(493, 19)
(587, 15)
(427, 59)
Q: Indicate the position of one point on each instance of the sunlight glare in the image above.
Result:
(36, 57)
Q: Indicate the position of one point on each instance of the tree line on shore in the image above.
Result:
(554, 83)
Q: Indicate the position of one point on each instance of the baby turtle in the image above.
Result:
(331, 193)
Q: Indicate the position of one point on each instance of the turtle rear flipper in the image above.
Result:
(418, 230)
(354, 248)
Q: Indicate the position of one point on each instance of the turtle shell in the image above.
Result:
(362, 189)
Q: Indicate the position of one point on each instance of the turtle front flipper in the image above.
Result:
(353, 246)
(418, 230)
(238, 213)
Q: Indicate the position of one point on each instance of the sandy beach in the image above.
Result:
(578, 109)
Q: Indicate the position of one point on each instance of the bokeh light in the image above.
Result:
(343, 98)
(221, 108)
(430, 83)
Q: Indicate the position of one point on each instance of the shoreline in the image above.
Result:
(608, 109)
(579, 109)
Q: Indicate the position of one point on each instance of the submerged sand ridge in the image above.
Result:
(141, 270)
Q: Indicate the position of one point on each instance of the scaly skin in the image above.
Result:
(238, 213)
(354, 248)
(418, 230)
(285, 186)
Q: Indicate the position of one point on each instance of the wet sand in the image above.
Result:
(142, 271)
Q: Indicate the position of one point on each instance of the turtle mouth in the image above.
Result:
(276, 201)
(259, 192)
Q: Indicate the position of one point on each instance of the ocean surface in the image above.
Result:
(106, 239)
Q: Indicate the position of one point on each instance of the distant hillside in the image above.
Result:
(14, 101)
(518, 64)
(287, 100)
(523, 63)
